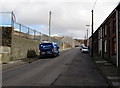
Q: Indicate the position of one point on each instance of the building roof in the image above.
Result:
(117, 8)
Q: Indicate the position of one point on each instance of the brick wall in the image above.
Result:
(119, 49)
(118, 34)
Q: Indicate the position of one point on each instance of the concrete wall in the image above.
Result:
(5, 54)
(20, 47)
(65, 45)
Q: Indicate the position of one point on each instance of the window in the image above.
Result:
(108, 29)
(114, 46)
(114, 26)
(105, 44)
(101, 32)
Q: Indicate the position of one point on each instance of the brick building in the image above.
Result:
(106, 39)
(118, 34)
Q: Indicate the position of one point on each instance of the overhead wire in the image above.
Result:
(94, 4)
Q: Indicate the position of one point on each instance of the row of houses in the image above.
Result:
(106, 39)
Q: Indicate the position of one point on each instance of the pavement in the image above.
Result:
(12, 64)
(108, 70)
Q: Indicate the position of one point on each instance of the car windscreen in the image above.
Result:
(85, 48)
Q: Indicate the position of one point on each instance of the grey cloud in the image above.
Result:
(68, 17)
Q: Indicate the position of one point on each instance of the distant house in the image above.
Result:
(68, 42)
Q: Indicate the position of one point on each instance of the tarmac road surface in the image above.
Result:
(71, 68)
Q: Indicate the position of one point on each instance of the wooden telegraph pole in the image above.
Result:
(49, 23)
(92, 36)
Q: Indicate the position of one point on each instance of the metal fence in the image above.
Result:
(9, 19)
(26, 32)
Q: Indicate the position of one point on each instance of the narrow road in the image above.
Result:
(71, 68)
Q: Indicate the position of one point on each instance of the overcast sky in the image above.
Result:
(69, 17)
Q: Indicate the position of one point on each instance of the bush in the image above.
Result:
(31, 54)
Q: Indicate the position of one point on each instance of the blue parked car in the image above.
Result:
(48, 49)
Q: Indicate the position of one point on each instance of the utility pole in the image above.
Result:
(87, 37)
(92, 36)
(87, 33)
(49, 23)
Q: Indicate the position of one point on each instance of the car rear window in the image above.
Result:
(45, 46)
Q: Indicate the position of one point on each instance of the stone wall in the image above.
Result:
(21, 46)
(5, 44)
(0, 37)
(14, 47)
(6, 35)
